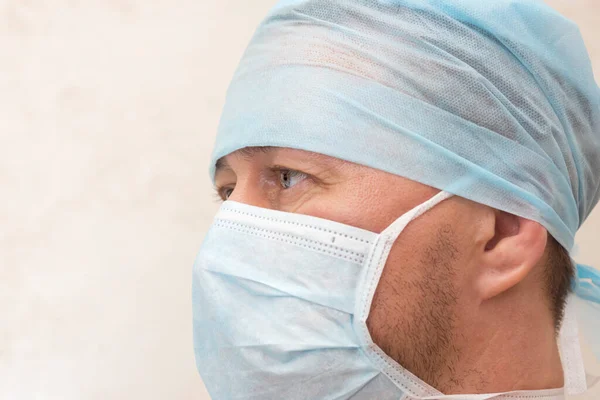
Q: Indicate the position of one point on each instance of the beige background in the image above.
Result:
(108, 110)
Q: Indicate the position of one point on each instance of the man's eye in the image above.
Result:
(289, 178)
(226, 193)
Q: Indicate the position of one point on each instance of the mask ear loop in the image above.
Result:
(366, 290)
(570, 351)
(384, 244)
(393, 231)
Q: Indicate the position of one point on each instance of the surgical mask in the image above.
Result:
(280, 304)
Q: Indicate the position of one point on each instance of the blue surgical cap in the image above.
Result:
(494, 101)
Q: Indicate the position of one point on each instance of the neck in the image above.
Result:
(508, 343)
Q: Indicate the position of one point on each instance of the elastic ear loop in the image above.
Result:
(393, 231)
(378, 256)
(570, 351)
(386, 239)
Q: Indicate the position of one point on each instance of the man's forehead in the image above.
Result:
(251, 153)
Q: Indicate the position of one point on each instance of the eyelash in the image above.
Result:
(223, 193)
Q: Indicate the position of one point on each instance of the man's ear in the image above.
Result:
(513, 247)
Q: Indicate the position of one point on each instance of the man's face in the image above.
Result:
(427, 292)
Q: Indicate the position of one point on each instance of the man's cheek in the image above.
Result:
(393, 307)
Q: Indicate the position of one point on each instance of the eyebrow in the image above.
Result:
(246, 152)
(221, 164)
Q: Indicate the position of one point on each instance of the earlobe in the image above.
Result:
(510, 255)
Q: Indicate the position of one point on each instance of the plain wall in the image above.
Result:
(108, 111)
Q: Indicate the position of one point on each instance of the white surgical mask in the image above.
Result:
(280, 304)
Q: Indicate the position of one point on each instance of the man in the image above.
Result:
(404, 180)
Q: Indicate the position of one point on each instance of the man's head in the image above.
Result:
(456, 272)
(494, 102)
(465, 96)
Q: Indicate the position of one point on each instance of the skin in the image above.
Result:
(460, 303)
